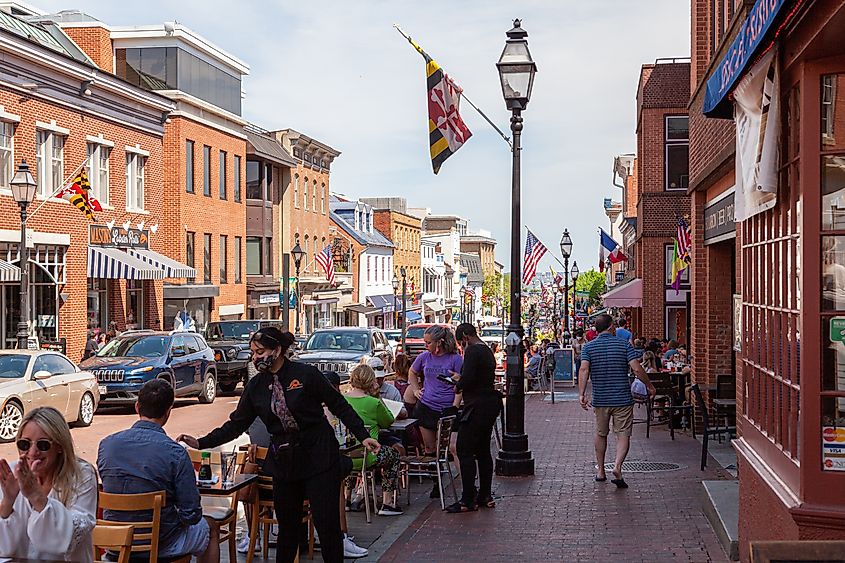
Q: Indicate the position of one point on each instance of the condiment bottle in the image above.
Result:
(205, 467)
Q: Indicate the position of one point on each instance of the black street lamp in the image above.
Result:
(516, 73)
(23, 190)
(566, 252)
(574, 273)
(297, 253)
(463, 294)
(404, 306)
(395, 284)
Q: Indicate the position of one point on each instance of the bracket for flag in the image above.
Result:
(463, 94)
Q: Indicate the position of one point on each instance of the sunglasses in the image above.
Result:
(43, 444)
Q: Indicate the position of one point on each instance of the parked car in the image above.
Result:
(128, 361)
(36, 378)
(341, 348)
(414, 342)
(230, 342)
(491, 334)
(394, 338)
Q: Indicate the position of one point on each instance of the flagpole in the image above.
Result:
(61, 186)
(463, 94)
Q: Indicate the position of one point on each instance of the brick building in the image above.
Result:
(59, 108)
(657, 310)
(306, 221)
(767, 262)
(482, 244)
(204, 224)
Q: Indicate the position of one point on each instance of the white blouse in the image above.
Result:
(57, 532)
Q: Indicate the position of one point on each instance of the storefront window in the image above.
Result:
(97, 304)
(199, 311)
(43, 303)
(134, 304)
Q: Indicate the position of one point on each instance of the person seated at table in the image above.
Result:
(654, 347)
(143, 459)
(49, 503)
(671, 350)
(401, 365)
(376, 416)
(649, 362)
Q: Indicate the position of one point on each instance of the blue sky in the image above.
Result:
(338, 71)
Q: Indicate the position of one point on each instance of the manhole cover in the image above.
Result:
(645, 466)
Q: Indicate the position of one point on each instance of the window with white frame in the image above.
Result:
(677, 152)
(135, 181)
(50, 158)
(7, 152)
(314, 197)
(323, 199)
(98, 171)
(305, 194)
(296, 190)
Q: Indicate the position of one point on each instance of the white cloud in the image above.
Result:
(339, 72)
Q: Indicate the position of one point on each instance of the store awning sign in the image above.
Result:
(118, 237)
(740, 53)
(719, 223)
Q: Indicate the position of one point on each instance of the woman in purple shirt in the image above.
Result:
(436, 395)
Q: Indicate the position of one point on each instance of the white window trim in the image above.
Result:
(99, 140)
(52, 127)
(52, 130)
(132, 179)
(8, 189)
(10, 117)
(137, 150)
(94, 174)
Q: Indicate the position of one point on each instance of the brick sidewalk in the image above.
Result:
(561, 514)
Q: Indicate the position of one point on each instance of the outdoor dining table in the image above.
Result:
(403, 424)
(220, 488)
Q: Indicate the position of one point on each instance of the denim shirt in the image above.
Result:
(143, 459)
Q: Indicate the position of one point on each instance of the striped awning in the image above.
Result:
(9, 272)
(114, 263)
(172, 268)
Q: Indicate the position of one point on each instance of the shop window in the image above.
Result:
(190, 241)
(49, 157)
(189, 166)
(198, 310)
(253, 256)
(222, 174)
(238, 265)
(268, 257)
(237, 177)
(206, 258)
(135, 164)
(7, 152)
(134, 304)
(224, 274)
(98, 304)
(206, 170)
(98, 171)
(253, 180)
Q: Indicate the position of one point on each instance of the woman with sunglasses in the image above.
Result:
(49, 496)
(304, 458)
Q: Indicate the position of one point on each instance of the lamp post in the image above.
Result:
(395, 284)
(574, 273)
(463, 294)
(297, 253)
(403, 273)
(23, 190)
(516, 73)
(566, 252)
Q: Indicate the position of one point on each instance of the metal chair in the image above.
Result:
(367, 476)
(707, 431)
(666, 392)
(433, 466)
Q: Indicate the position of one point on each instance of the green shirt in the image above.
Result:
(375, 415)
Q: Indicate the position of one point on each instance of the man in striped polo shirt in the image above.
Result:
(606, 360)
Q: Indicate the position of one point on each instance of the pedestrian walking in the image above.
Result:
(304, 459)
(606, 360)
(482, 405)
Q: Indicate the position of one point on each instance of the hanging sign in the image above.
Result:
(118, 237)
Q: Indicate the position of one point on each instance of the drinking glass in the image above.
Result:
(227, 467)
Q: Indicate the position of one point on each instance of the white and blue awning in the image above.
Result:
(172, 268)
(114, 263)
(9, 272)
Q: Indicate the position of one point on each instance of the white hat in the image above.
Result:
(377, 365)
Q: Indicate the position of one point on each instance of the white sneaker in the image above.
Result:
(243, 544)
(387, 510)
(352, 551)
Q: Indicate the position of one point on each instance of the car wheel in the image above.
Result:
(10, 420)
(209, 389)
(86, 410)
(228, 387)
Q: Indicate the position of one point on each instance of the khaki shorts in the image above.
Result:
(623, 420)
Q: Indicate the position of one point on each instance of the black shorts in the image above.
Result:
(427, 417)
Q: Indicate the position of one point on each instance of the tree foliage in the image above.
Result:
(594, 282)
(495, 287)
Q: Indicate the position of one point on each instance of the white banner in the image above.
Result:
(757, 116)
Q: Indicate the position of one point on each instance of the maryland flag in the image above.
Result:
(447, 132)
(76, 192)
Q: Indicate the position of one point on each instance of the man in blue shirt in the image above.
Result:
(622, 332)
(144, 459)
(606, 360)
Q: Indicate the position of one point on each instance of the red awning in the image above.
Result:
(627, 295)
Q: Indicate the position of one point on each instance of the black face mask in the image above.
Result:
(264, 363)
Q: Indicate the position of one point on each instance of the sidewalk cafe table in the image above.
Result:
(240, 481)
(403, 424)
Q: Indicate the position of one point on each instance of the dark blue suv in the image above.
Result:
(130, 360)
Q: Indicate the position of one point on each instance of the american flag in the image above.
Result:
(534, 251)
(684, 241)
(324, 259)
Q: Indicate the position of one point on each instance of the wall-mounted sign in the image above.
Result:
(118, 237)
(719, 222)
(268, 298)
(833, 448)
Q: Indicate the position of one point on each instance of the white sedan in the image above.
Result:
(41, 378)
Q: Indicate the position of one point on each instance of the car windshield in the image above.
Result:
(136, 346)
(13, 365)
(339, 340)
(393, 334)
(239, 330)
(493, 331)
(415, 332)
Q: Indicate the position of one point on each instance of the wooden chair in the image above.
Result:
(225, 516)
(707, 431)
(433, 466)
(149, 539)
(114, 538)
(261, 513)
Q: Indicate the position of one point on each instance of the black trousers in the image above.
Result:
(323, 492)
(473, 447)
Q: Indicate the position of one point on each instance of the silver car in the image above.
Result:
(36, 378)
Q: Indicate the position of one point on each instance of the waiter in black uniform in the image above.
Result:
(304, 456)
